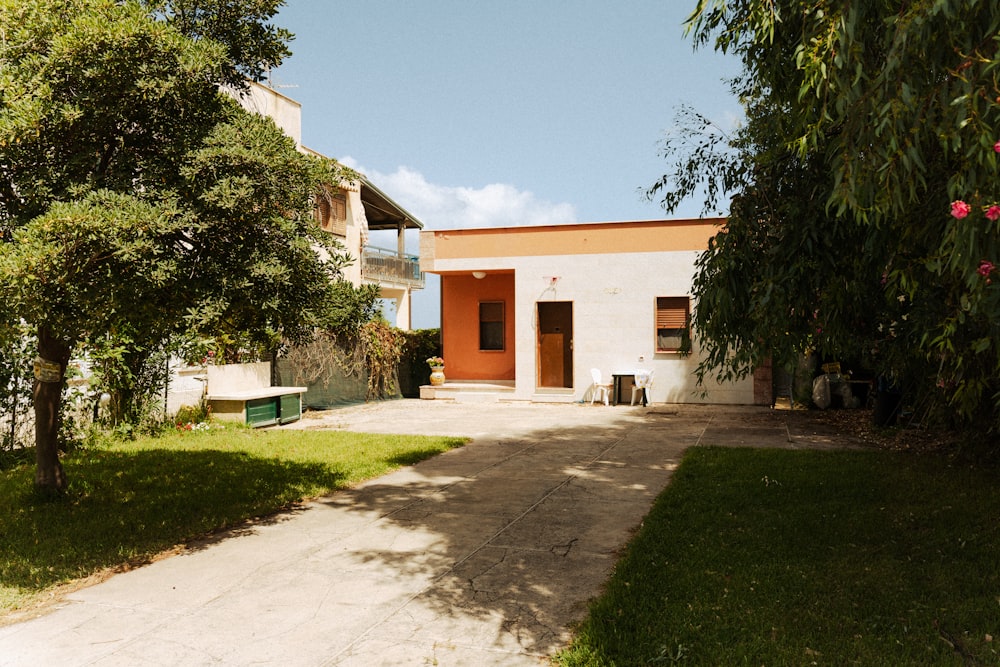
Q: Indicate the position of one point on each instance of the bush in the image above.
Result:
(16, 424)
(413, 370)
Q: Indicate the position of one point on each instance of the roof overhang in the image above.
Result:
(382, 212)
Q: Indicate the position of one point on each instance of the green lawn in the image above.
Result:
(129, 501)
(766, 557)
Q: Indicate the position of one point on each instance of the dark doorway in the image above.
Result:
(555, 344)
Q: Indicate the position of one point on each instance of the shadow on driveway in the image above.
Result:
(485, 555)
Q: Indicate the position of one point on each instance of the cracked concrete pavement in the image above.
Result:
(484, 555)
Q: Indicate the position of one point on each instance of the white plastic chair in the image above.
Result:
(643, 381)
(599, 388)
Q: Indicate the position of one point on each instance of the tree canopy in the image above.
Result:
(253, 45)
(137, 201)
(864, 220)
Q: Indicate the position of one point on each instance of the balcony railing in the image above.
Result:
(387, 266)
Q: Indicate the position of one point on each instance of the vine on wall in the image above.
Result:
(355, 341)
(382, 346)
(374, 350)
(320, 357)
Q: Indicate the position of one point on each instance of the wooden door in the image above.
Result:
(550, 360)
(555, 344)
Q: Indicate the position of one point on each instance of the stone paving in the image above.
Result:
(484, 555)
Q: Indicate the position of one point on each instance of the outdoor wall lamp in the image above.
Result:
(478, 275)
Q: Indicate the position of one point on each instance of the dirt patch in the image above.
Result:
(858, 427)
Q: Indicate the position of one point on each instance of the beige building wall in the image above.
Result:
(357, 232)
(284, 111)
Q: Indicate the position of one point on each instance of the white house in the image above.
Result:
(528, 312)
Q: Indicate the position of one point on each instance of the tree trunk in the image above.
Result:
(50, 371)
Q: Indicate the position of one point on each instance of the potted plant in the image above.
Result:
(437, 370)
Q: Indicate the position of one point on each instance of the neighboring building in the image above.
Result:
(350, 211)
(527, 312)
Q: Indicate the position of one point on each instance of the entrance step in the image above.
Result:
(470, 391)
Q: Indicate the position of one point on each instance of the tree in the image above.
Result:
(96, 95)
(269, 270)
(138, 201)
(253, 46)
(74, 272)
(864, 122)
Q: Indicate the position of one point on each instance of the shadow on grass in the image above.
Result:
(413, 456)
(126, 507)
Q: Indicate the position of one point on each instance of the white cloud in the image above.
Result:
(455, 207)
(461, 207)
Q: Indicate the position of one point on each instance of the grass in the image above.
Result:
(130, 501)
(766, 557)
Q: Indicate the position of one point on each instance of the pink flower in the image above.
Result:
(959, 209)
(993, 213)
(996, 147)
(985, 268)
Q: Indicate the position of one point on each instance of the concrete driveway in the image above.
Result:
(484, 555)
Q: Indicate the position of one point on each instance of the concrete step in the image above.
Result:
(469, 391)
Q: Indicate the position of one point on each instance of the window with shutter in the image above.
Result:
(331, 213)
(673, 317)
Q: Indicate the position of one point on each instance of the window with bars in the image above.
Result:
(673, 320)
(331, 213)
(491, 325)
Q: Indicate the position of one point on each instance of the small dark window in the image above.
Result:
(491, 325)
(673, 318)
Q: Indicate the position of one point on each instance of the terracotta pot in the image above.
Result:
(437, 376)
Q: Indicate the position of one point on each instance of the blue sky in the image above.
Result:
(495, 114)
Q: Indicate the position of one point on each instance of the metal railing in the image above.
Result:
(380, 265)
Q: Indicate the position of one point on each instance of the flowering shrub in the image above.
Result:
(192, 426)
(435, 361)
(960, 209)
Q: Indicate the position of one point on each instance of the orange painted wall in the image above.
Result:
(580, 239)
(460, 297)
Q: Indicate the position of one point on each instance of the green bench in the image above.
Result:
(260, 407)
(242, 392)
